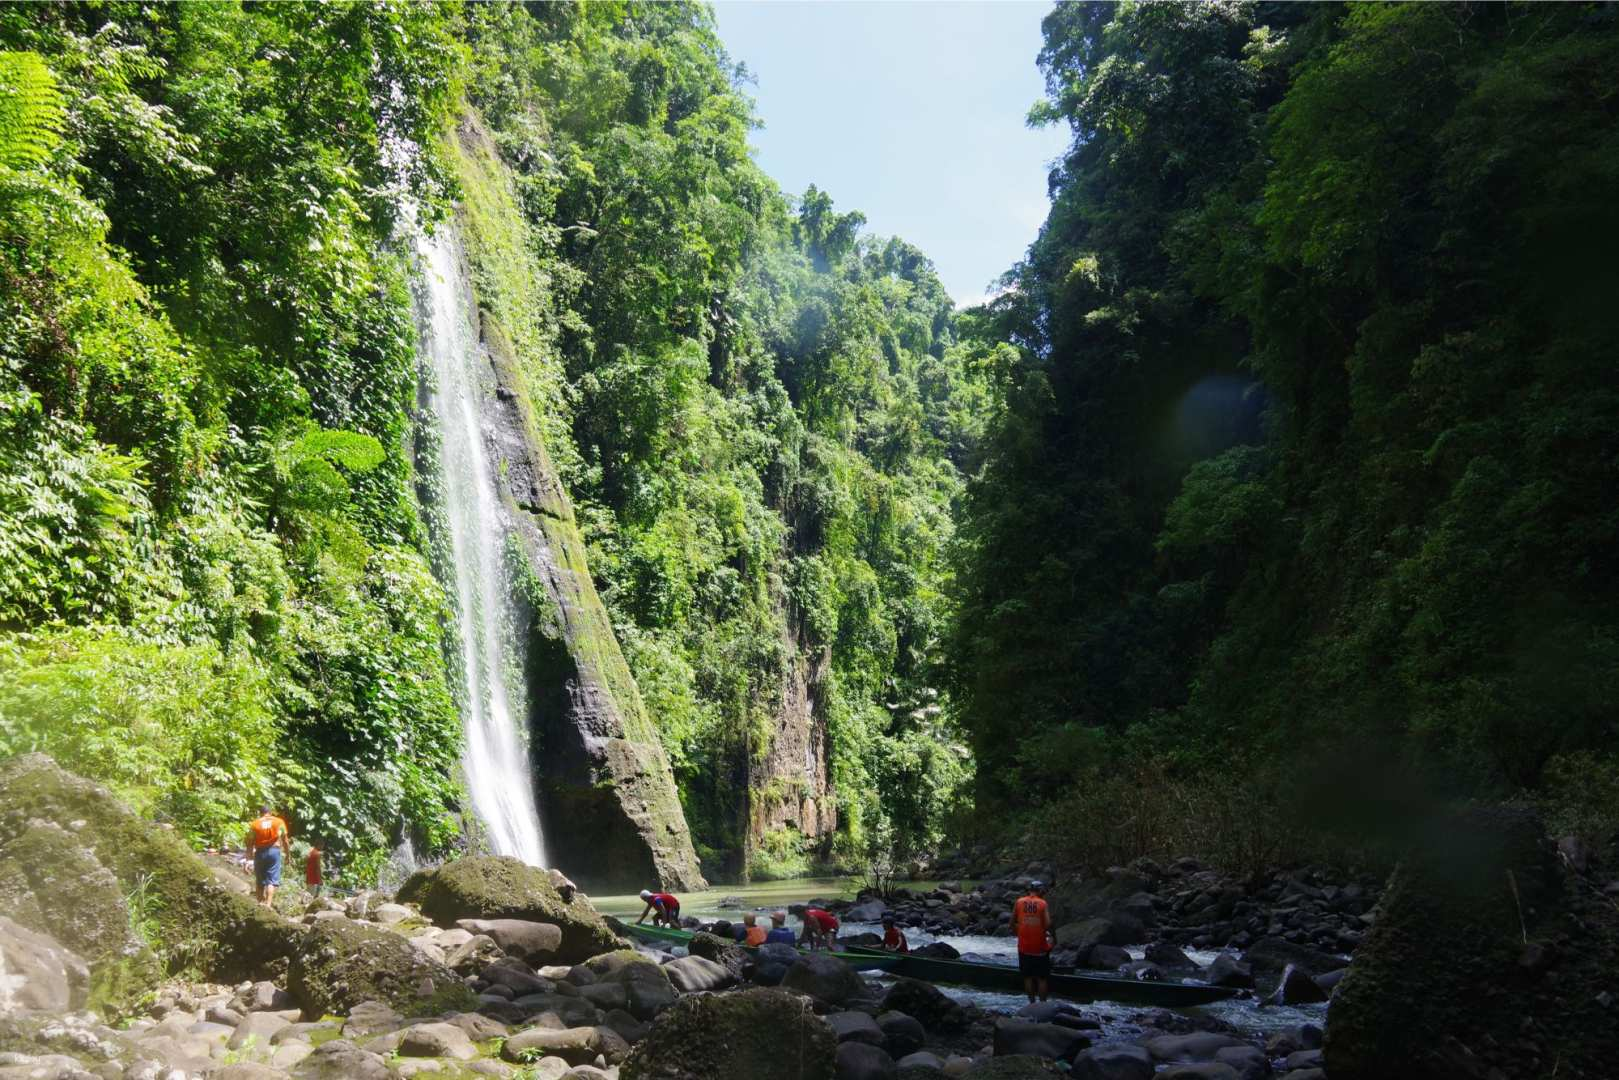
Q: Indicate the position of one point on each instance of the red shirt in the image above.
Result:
(827, 921)
(1031, 920)
(893, 939)
(312, 867)
(663, 901)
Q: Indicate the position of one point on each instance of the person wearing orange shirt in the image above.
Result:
(267, 844)
(1031, 920)
(755, 934)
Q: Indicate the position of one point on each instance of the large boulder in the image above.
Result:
(691, 974)
(51, 882)
(862, 1061)
(340, 964)
(500, 887)
(647, 987)
(824, 978)
(1043, 1040)
(575, 1045)
(1102, 930)
(933, 1007)
(743, 1036)
(533, 942)
(38, 973)
(1273, 955)
(195, 917)
(1437, 979)
(773, 960)
(1117, 1061)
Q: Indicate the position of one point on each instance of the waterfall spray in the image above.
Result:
(496, 759)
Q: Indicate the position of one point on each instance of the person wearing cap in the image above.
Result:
(893, 936)
(820, 929)
(753, 935)
(1031, 920)
(779, 934)
(267, 843)
(664, 907)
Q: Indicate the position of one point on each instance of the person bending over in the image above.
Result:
(820, 929)
(664, 908)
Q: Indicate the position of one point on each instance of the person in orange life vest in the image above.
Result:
(893, 937)
(1031, 919)
(820, 929)
(755, 935)
(267, 843)
(665, 909)
(312, 874)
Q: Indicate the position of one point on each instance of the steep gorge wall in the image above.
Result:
(791, 787)
(607, 795)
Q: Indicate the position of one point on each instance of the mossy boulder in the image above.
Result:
(1443, 970)
(52, 883)
(198, 923)
(742, 1036)
(500, 887)
(340, 964)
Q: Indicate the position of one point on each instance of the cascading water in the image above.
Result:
(496, 759)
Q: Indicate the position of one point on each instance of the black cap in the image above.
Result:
(1037, 885)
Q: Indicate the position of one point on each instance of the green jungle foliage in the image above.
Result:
(215, 585)
(1308, 449)
(763, 418)
(212, 588)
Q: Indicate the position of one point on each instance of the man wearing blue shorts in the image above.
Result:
(268, 846)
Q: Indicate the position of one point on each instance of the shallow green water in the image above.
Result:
(764, 894)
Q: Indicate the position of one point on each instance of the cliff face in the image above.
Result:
(606, 792)
(792, 787)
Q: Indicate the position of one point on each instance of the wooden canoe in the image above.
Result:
(1009, 980)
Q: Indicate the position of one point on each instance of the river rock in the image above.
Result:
(533, 942)
(437, 1040)
(1118, 1061)
(933, 1007)
(721, 950)
(1249, 1062)
(938, 950)
(38, 973)
(1207, 1070)
(1105, 957)
(691, 974)
(1015, 1067)
(868, 911)
(921, 1059)
(1198, 1046)
(257, 1028)
(862, 1061)
(575, 1045)
(1228, 970)
(855, 1027)
(902, 1035)
(773, 960)
(340, 964)
(743, 1036)
(1296, 988)
(500, 887)
(342, 1060)
(1043, 1040)
(824, 978)
(1272, 955)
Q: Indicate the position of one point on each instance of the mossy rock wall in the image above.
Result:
(746, 1036)
(605, 785)
(499, 887)
(200, 924)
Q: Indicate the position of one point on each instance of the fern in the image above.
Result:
(31, 111)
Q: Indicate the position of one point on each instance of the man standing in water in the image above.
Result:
(267, 844)
(1032, 921)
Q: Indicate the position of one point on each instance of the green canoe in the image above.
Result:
(1009, 980)
(860, 961)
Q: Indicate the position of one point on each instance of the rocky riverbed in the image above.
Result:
(127, 956)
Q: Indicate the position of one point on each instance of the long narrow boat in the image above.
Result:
(1005, 978)
(861, 961)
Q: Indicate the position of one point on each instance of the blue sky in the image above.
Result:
(910, 111)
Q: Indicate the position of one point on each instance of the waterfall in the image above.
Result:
(496, 760)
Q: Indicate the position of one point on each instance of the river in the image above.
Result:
(1118, 1021)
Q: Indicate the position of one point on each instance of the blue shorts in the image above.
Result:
(267, 866)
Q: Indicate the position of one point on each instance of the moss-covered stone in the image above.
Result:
(500, 887)
(341, 963)
(744, 1036)
(198, 923)
(1439, 977)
